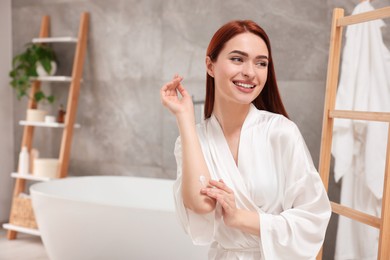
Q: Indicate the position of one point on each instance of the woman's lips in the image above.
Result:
(244, 87)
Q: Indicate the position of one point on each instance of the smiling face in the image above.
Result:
(240, 71)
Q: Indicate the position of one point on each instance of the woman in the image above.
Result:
(245, 181)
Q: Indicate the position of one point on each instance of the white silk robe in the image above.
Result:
(275, 177)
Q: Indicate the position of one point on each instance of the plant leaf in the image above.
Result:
(39, 96)
(24, 67)
(46, 64)
(50, 99)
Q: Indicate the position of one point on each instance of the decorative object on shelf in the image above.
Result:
(42, 72)
(50, 119)
(34, 154)
(36, 57)
(23, 167)
(46, 167)
(23, 213)
(36, 115)
(61, 114)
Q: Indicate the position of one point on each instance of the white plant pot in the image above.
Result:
(42, 72)
(45, 167)
(36, 115)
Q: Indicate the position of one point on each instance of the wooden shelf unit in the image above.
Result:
(67, 127)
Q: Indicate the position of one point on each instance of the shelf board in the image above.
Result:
(30, 231)
(55, 39)
(53, 78)
(29, 177)
(45, 124)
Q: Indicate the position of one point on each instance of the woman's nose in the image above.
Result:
(248, 70)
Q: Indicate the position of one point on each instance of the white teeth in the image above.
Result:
(244, 85)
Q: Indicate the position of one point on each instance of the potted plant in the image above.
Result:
(36, 60)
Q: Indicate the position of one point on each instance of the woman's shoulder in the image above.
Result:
(273, 119)
(277, 125)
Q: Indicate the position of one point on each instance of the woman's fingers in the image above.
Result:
(170, 97)
(172, 85)
(220, 192)
(170, 88)
(225, 197)
(182, 90)
(168, 92)
(226, 200)
(221, 185)
(218, 187)
(225, 204)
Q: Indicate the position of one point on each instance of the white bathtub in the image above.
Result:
(110, 217)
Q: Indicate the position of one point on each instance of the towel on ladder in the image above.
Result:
(359, 147)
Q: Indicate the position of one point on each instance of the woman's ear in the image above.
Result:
(209, 67)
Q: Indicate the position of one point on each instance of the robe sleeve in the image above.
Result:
(299, 230)
(199, 227)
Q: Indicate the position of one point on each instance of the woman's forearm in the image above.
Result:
(248, 222)
(194, 166)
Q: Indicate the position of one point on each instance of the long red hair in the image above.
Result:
(269, 98)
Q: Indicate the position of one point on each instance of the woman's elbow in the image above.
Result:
(204, 206)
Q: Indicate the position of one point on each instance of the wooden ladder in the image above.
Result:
(383, 223)
(73, 94)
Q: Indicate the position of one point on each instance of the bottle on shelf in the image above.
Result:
(34, 154)
(23, 161)
(61, 114)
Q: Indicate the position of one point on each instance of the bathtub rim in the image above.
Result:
(32, 190)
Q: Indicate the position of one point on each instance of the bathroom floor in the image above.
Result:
(24, 247)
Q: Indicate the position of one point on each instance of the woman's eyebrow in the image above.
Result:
(246, 54)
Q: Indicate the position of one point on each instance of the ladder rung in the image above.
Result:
(364, 17)
(356, 215)
(360, 115)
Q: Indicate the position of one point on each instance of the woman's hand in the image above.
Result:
(244, 220)
(170, 98)
(224, 196)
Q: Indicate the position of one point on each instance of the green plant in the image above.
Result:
(24, 68)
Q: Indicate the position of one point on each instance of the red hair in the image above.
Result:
(269, 98)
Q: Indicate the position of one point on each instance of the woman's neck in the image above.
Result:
(231, 116)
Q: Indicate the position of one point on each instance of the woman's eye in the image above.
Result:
(236, 59)
(262, 64)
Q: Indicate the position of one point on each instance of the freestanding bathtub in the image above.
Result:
(110, 217)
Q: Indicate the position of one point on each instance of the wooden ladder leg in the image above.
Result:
(384, 237)
(330, 99)
(73, 97)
